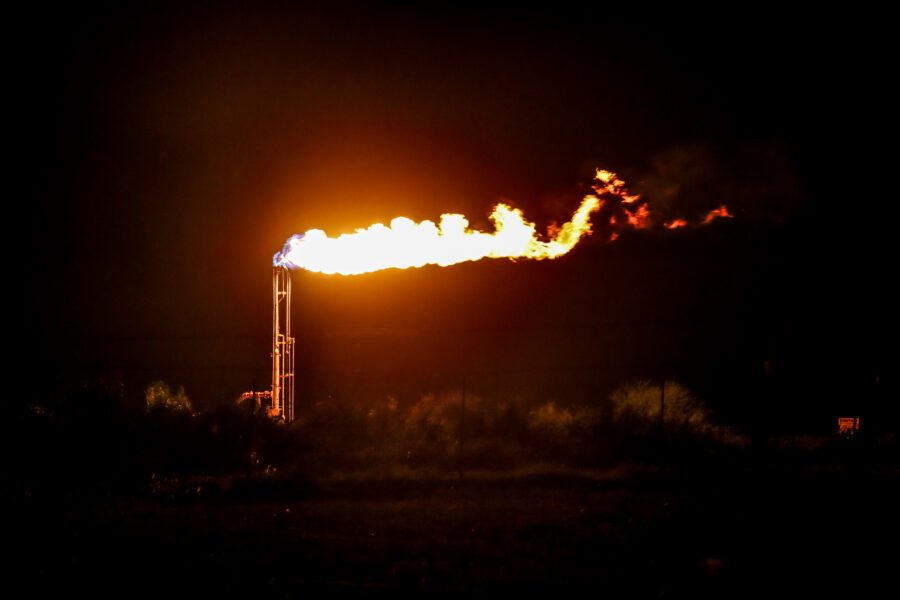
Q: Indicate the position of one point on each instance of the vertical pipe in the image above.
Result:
(282, 346)
(288, 370)
(276, 351)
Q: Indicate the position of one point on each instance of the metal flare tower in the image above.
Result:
(282, 347)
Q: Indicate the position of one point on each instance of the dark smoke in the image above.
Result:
(757, 182)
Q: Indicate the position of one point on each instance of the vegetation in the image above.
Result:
(94, 436)
(452, 490)
(160, 397)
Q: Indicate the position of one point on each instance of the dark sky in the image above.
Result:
(168, 152)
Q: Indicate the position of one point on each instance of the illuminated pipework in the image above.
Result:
(282, 347)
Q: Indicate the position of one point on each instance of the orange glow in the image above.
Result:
(676, 224)
(718, 212)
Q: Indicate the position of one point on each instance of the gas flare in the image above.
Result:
(404, 243)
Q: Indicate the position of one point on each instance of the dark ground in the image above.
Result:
(767, 528)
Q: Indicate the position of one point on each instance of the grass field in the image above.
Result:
(632, 531)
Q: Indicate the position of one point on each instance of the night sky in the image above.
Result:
(166, 153)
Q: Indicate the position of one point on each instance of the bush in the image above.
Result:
(637, 406)
(551, 420)
(159, 396)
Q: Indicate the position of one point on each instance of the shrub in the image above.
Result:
(637, 405)
(159, 396)
(550, 419)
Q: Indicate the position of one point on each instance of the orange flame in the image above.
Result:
(612, 185)
(640, 217)
(717, 212)
(405, 243)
